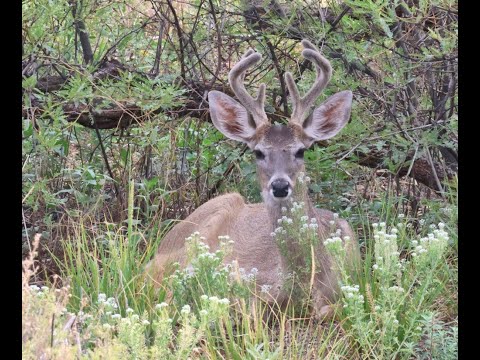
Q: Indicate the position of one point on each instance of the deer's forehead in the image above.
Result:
(280, 136)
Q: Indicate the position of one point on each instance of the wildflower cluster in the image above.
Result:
(429, 250)
(335, 246)
(247, 277)
(352, 295)
(296, 228)
(387, 257)
(394, 317)
(213, 307)
(207, 274)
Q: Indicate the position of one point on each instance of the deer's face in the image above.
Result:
(279, 157)
(279, 148)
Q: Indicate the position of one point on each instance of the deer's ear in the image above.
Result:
(330, 117)
(230, 118)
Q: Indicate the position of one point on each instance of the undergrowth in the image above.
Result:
(107, 308)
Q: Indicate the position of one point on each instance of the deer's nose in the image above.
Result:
(280, 188)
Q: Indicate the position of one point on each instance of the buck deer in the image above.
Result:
(279, 151)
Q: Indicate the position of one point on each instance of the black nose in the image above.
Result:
(280, 188)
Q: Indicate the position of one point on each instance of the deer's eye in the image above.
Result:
(259, 155)
(299, 154)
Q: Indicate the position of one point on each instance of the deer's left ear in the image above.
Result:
(330, 117)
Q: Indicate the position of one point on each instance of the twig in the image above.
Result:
(81, 30)
(105, 158)
(219, 46)
(156, 65)
(180, 39)
(51, 330)
(434, 171)
(280, 73)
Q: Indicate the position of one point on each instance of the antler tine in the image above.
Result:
(301, 105)
(236, 77)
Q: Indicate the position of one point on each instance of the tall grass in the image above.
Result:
(110, 259)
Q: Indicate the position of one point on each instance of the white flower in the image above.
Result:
(44, 288)
(203, 312)
(185, 310)
(224, 301)
(129, 310)
(145, 322)
(161, 305)
(265, 288)
(116, 316)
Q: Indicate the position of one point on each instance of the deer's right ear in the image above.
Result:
(229, 117)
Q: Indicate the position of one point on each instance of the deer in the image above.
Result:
(279, 151)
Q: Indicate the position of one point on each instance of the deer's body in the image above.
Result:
(279, 150)
(253, 245)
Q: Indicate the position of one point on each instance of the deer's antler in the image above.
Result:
(301, 105)
(236, 77)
